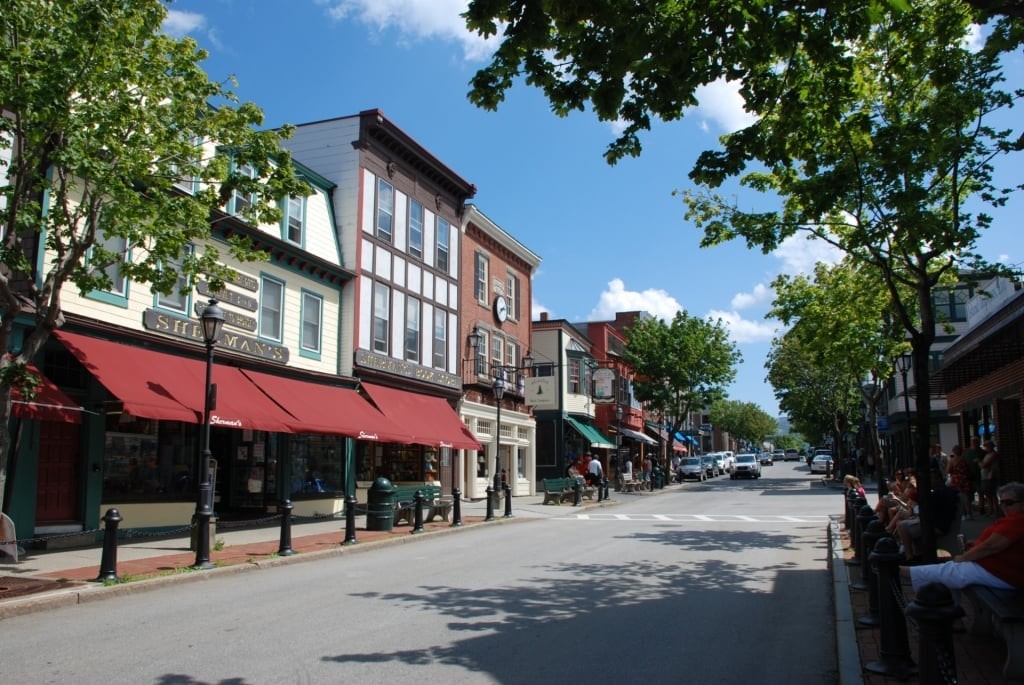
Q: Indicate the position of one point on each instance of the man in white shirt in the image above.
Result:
(594, 469)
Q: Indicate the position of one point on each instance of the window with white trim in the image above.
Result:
(574, 376)
(294, 220)
(416, 229)
(114, 252)
(480, 267)
(271, 308)
(481, 353)
(241, 201)
(177, 299)
(440, 339)
(497, 353)
(312, 322)
(512, 295)
(412, 329)
(381, 316)
(385, 210)
(443, 231)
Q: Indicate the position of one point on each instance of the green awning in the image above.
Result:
(591, 434)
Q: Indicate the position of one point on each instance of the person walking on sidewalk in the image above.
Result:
(995, 559)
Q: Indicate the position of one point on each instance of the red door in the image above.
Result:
(57, 488)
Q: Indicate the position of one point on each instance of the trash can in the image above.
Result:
(380, 505)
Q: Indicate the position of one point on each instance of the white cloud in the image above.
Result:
(536, 309)
(416, 20)
(799, 253)
(617, 299)
(759, 295)
(720, 102)
(742, 330)
(179, 23)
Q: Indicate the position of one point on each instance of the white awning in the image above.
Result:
(626, 432)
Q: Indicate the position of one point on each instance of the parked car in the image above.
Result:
(745, 466)
(792, 454)
(766, 459)
(822, 463)
(691, 468)
(779, 455)
(719, 458)
(710, 468)
(728, 457)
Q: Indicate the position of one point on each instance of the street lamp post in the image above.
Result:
(499, 394)
(903, 364)
(212, 320)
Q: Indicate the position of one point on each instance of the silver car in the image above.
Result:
(746, 466)
(691, 469)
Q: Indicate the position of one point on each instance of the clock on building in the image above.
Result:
(501, 309)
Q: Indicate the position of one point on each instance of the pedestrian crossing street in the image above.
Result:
(698, 518)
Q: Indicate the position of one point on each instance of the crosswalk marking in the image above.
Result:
(699, 518)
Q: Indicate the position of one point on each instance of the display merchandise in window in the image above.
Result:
(317, 464)
(148, 459)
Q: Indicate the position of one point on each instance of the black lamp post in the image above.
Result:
(903, 364)
(618, 435)
(499, 394)
(212, 319)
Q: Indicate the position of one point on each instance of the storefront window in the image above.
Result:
(318, 464)
(146, 459)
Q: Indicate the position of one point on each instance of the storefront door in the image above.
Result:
(57, 481)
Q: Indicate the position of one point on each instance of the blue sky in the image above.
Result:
(611, 238)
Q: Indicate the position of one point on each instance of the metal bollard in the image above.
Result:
(417, 511)
(894, 645)
(577, 494)
(851, 509)
(456, 508)
(350, 520)
(490, 504)
(285, 548)
(508, 500)
(600, 491)
(607, 490)
(874, 532)
(934, 610)
(864, 517)
(108, 561)
(855, 533)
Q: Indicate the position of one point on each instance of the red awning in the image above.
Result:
(155, 385)
(49, 404)
(430, 420)
(327, 409)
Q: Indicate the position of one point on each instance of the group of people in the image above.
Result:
(589, 467)
(973, 473)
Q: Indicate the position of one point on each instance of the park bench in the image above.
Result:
(434, 504)
(628, 483)
(1000, 612)
(557, 489)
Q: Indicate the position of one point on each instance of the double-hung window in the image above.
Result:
(412, 329)
(385, 210)
(574, 376)
(241, 201)
(480, 278)
(440, 339)
(481, 354)
(416, 229)
(512, 295)
(112, 253)
(497, 354)
(312, 323)
(271, 308)
(177, 299)
(381, 316)
(294, 220)
(442, 245)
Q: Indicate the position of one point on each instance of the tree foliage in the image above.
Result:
(680, 366)
(744, 421)
(102, 114)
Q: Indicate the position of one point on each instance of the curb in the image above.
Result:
(847, 651)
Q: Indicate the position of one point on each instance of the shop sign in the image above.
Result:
(228, 297)
(604, 386)
(379, 362)
(189, 329)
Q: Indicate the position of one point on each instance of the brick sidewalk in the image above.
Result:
(979, 659)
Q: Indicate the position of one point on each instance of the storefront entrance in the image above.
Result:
(57, 499)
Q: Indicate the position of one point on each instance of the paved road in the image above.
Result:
(717, 583)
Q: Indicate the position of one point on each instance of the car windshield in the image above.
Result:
(823, 457)
(692, 461)
(745, 458)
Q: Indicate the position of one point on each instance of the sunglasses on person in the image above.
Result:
(1008, 502)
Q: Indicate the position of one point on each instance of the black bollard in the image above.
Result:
(607, 489)
(350, 520)
(108, 562)
(934, 609)
(456, 508)
(417, 511)
(894, 645)
(865, 517)
(874, 532)
(851, 509)
(600, 490)
(285, 548)
(855, 533)
(490, 504)
(577, 494)
(508, 500)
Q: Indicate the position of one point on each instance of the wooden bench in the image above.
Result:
(434, 504)
(628, 483)
(587, 491)
(557, 489)
(1000, 612)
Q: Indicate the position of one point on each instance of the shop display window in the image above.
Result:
(318, 465)
(147, 459)
(397, 463)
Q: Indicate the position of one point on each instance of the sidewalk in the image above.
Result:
(979, 659)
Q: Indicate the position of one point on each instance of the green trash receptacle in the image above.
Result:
(380, 505)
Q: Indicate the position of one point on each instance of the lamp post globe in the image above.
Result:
(212, 320)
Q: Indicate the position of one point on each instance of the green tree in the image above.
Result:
(100, 115)
(744, 421)
(680, 366)
(843, 316)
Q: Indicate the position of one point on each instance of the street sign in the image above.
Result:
(883, 424)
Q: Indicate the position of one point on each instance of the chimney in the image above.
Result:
(543, 316)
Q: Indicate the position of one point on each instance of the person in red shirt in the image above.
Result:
(995, 559)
